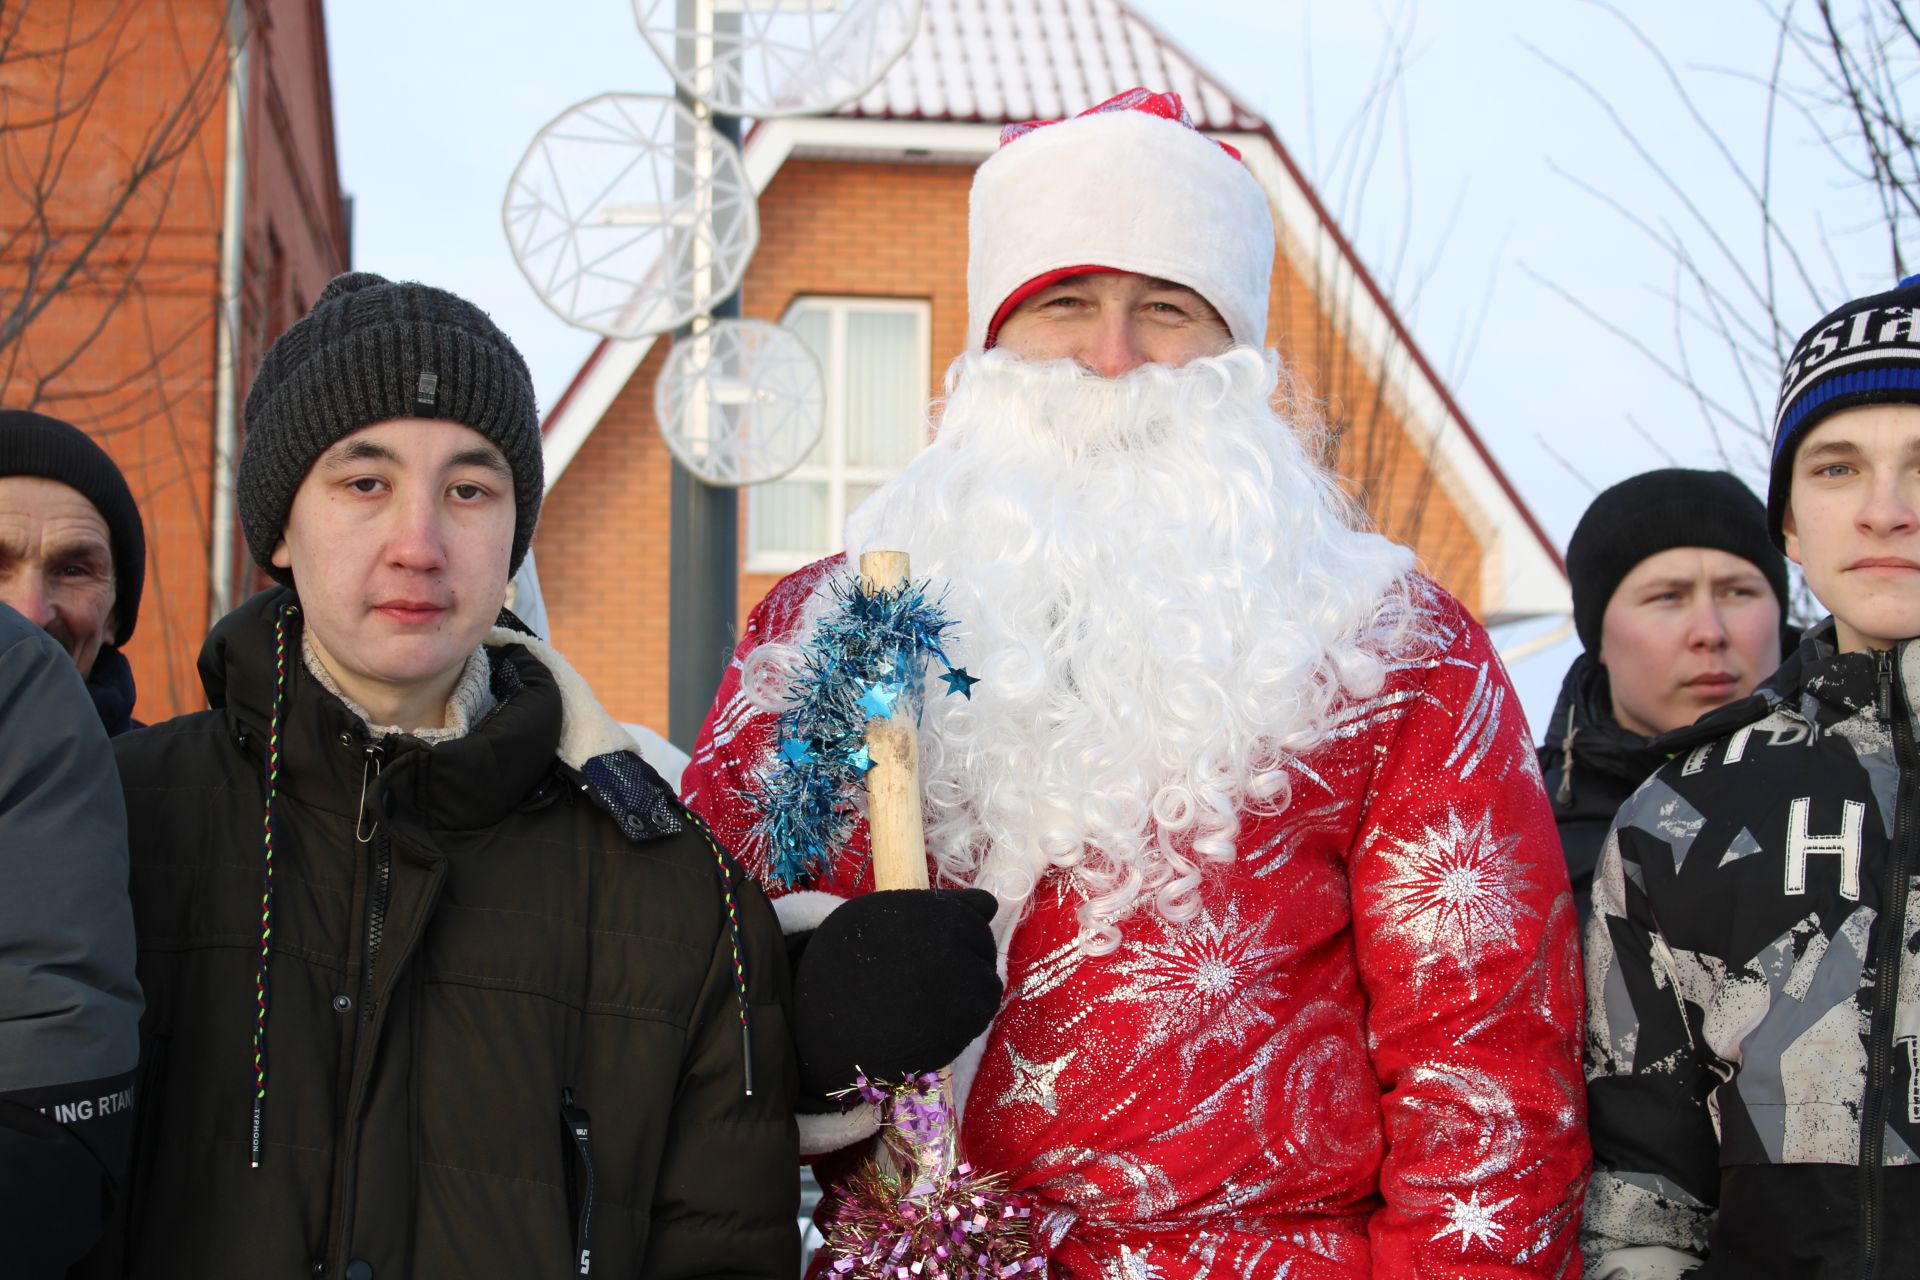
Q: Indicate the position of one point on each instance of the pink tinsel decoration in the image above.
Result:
(936, 1219)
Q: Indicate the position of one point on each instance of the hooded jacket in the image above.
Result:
(1591, 764)
(1753, 985)
(505, 1030)
(110, 685)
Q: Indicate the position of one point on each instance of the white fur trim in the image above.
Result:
(833, 1130)
(804, 910)
(586, 730)
(1124, 190)
(967, 1065)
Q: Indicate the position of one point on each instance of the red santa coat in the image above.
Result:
(1362, 1058)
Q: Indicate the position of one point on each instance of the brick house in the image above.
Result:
(863, 252)
(131, 348)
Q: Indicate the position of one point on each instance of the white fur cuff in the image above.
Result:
(804, 910)
(833, 1130)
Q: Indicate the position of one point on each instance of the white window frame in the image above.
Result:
(835, 473)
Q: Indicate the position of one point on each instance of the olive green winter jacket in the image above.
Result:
(503, 1023)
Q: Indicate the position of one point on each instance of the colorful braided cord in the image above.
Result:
(733, 928)
(266, 880)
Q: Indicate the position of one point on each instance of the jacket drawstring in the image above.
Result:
(1563, 794)
(266, 876)
(733, 927)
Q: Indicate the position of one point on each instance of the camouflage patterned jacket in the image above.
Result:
(1753, 1039)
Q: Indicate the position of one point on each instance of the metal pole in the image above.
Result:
(704, 563)
(226, 408)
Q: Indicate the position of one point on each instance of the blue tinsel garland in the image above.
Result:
(866, 652)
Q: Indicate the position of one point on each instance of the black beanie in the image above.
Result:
(1646, 514)
(372, 351)
(1865, 352)
(32, 444)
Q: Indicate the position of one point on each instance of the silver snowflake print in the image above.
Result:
(1130, 1265)
(1035, 1082)
(1454, 889)
(1204, 982)
(1472, 1220)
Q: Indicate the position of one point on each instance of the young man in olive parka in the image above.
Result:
(441, 980)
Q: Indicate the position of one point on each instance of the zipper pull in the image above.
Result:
(370, 760)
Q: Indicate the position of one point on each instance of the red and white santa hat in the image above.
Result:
(1129, 185)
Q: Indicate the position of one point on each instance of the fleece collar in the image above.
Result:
(545, 719)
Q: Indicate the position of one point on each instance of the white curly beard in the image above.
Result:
(1164, 600)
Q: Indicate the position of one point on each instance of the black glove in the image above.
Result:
(894, 984)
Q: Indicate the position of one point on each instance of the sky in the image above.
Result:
(1477, 154)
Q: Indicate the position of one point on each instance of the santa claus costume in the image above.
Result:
(1291, 981)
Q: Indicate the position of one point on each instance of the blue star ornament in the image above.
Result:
(958, 681)
(878, 698)
(796, 751)
(861, 759)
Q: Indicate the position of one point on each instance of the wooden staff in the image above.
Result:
(894, 824)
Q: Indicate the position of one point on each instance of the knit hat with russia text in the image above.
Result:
(1129, 185)
(1865, 352)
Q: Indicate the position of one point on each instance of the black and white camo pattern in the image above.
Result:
(1730, 966)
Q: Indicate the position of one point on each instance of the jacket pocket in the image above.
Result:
(578, 1126)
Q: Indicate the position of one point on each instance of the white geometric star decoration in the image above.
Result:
(1035, 1082)
(1455, 891)
(1202, 982)
(739, 402)
(766, 58)
(630, 217)
(1130, 1265)
(1472, 1219)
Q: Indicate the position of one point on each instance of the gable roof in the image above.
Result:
(979, 61)
(976, 65)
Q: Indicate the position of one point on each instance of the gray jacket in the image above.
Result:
(69, 1004)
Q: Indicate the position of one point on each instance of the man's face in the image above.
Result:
(399, 540)
(1688, 630)
(56, 564)
(1114, 322)
(1853, 522)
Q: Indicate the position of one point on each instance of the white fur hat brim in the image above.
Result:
(1128, 191)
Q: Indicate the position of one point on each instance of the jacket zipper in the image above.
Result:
(1886, 966)
(379, 890)
(377, 897)
(580, 1127)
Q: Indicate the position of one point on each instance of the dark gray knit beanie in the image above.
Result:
(371, 351)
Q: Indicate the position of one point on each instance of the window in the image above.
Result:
(874, 354)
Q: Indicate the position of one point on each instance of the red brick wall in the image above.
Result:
(605, 565)
(128, 352)
(893, 231)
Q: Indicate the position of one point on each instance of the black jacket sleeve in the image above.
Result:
(69, 1002)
